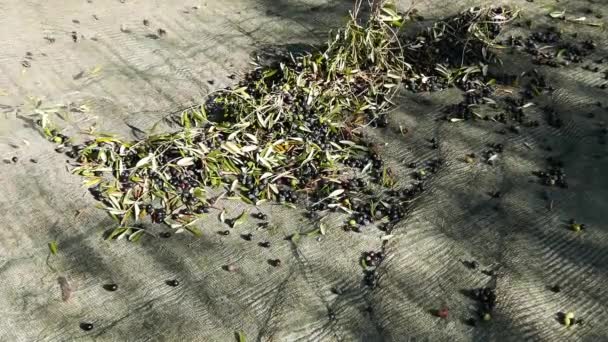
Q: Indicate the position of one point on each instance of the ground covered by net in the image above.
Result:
(414, 178)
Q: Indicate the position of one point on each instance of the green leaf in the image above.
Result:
(117, 231)
(92, 181)
(136, 236)
(240, 336)
(199, 193)
(194, 230)
(240, 219)
(270, 73)
(145, 160)
(53, 247)
(295, 238)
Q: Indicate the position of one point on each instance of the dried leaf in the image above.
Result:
(336, 193)
(186, 161)
(232, 148)
(557, 14)
(234, 186)
(145, 160)
(65, 287)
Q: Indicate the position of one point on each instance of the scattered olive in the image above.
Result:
(86, 326)
(230, 268)
(556, 288)
(15, 159)
(260, 216)
(471, 264)
(110, 287)
(172, 282)
(274, 262)
(264, 244)
(247, 236)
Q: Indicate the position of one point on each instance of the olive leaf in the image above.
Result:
(185, 161)
(223, 216)
(239, 219)
(557, 14)
(145, 160)
(194, 230)
(295, 238)
(240, 336)
(53, 247)
(336, 193)
(134, 237)
(116, 232)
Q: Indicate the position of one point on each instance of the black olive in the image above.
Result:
(274, 262)
(15, 159)
(264, 244)
(471, 264)
(172, 282)
(260, 216)
(556, 288)
(110, 287)
(471, 321)
(166, 235)
(224, 232)
(247, 236)
(86, 326)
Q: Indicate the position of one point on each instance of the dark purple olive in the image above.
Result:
(172, 282)
(110, 287)
(86, 326)
(274, 262)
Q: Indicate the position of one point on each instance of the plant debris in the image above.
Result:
(66, 288)
(291, 131)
